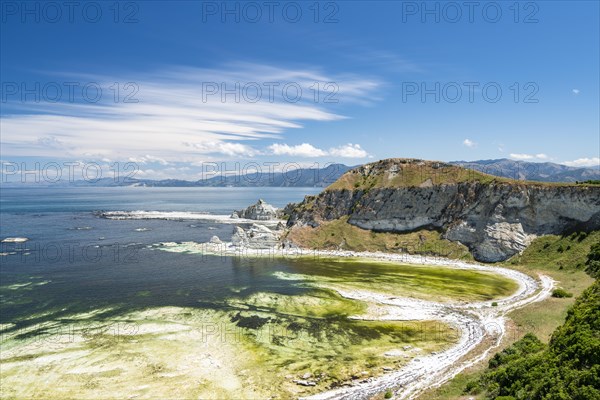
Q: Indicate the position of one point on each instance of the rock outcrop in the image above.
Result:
(261, 211)
(495, 217)
(255, 237)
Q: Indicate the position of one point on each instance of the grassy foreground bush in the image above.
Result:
(568, 368)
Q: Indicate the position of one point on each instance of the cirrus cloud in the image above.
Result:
(175, 119)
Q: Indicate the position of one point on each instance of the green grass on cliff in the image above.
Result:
(340, 235)
(398, 172)
(394, 173)
(556, 253)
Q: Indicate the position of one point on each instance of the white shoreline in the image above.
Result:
(476, 321)
(183, 215)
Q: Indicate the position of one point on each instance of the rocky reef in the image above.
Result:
(261, 211)
(495, 217)
(256, 237)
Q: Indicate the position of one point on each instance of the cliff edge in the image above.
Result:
(494, 217)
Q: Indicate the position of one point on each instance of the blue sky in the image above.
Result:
(394, 79)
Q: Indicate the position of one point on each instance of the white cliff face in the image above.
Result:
(495, 220)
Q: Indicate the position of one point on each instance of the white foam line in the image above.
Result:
(182, 215)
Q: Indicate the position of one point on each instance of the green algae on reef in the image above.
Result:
(241, 353)
(424, 282)
(271, 323)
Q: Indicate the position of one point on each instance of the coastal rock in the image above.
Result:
(304, 382)
(261, 211)
(495, 218)
(255, 237)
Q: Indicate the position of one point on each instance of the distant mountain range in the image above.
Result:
(303, 177)
(323, 177)
(522, 170)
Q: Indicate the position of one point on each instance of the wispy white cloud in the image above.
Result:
(575, 91)
(232, 149)
(584, 162)
(469, 143)
(349, 151)
(522, 156)
(175, 120)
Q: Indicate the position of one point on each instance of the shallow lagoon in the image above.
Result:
(90, 308)
(220, 327)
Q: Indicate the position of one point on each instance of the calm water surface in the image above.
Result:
(76, 261)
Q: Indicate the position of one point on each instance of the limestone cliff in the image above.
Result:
(495, 217)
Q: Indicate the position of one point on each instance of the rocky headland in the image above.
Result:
(495, 218)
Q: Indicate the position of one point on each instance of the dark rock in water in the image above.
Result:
(251, 322)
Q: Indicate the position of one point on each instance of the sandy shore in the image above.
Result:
(476, 321)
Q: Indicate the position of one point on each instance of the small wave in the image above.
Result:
(142, 229)
(178, 216)
(15, 240)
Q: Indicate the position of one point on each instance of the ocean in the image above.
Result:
(75, 261)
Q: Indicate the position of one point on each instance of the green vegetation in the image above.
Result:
(388, 394)
(399, 172)
(588, 182)
(567, 368)
(543, 318)
(552, 252)
(593, 261)
(394, 173)
(340, 235)
(561, 293)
